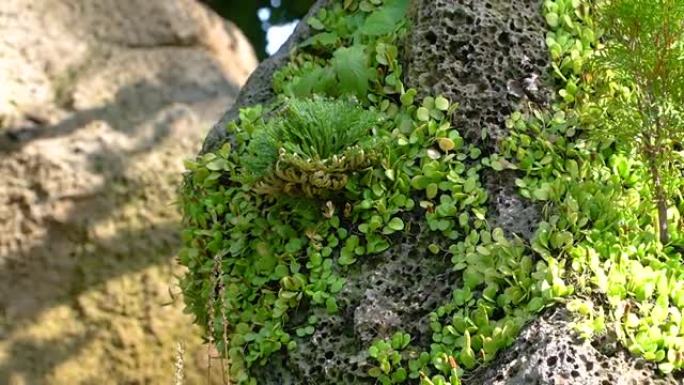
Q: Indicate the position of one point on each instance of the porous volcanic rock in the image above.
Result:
(549, 352)
(490, 56)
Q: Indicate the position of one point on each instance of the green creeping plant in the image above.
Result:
(348, 159)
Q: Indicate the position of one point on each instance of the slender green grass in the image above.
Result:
(313, 130)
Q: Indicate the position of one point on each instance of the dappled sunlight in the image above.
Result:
(89, 228)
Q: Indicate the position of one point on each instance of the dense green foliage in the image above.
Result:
(254, 259)
(642, 72)
(600, 202)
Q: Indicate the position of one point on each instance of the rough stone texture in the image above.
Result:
(489, 56)
(509, 210)
(478, 53)
(100, 101)
(549, 352)
(391, 291)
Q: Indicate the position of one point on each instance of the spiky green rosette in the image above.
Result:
(310, 148)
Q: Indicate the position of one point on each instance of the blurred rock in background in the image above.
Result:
(100, 101)
(262, 21)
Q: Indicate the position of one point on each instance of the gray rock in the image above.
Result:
(549, 352)
(483, 54)
(508, 210)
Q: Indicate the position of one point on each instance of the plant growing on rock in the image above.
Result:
(642, 98)
(273, 279)
(310, 147)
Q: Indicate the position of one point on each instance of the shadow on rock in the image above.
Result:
(132, 106)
